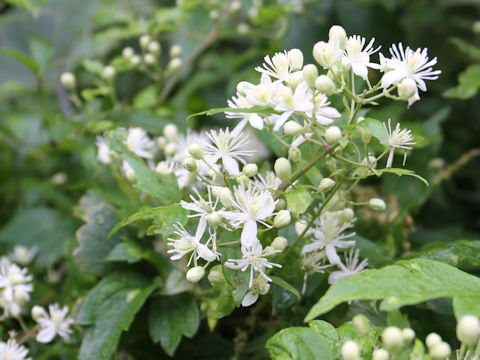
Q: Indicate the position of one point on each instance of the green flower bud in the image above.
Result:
(292, 128)
(226, 197)
(283, 169)
(154, 47)
(175, 51)
(190, 164)
(216, 277)
(377, 204)
(310, 74)
(196, 151)
(325, 85)
(280, 204)
(195, 274)
(128, 52)
(295, 57)
(350, 351)
(361, 324)
(346, 215)
(250, 170)
(295, 79)
(144, 40)
(282, 219)
(325, 54)
(333, 134)
(37, 312)
(326, 184)
(392, 339)
(295, 154)
(279, 243)
(468, 330)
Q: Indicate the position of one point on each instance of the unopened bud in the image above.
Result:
(154, 47)
(145, 40)
(280, 204)
(243, 179)
(468, 330)
(226, 197)
(333, 134)
(361, 324)
(408, 335)
(310, 74)
(476, 27)
(337, 36)
(365, 134)
(432, 339)
(300, 226)
(392, 339)
(440, 351)
(295, 58)
(175, 51)
(325, 54)
(128, 52)
(350, 351)
(380, 354)
(171, 149)
(196, 151)
(377, 204)
(170, 132)
(292, 128)
(370, 161)
(282, 219)
(37, 312)
(326, 184)
(279, 243)
(174, 64)
(250, 170)
(190, 164)
(294, 154)
(214, 14)
(135, 60)
(295, 79)
(149, 59)
(214, 219)
(325, 85)
(407, 88)
(195, 274)
(216, 277)
(68, 80)
(283, 169)
(108, 72)
(162, 168)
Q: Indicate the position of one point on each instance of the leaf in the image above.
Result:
(146, 214)
(466, 48)
(257, 109)
(24, 59)
(404, 283)
(161, 187)
(377, 129)
(94, 243)
(41, 227)
(172, 317)
(298, 343)
(401, 172)
(113, 313)
(128, 251)
(396, 318)
(463, 254)
(42, 53)
(298, 201)
(286, 286)
(146, 98)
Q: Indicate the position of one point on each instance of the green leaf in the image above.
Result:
(94, 243)
(257, 109)
(93, 66)
(404, 283)
(396, 318)
(24, 59)
(128, 251)
(462, 254)
(42, 53)
(172, 317)
(298, 201)
(377, 129)
(41, 227)
(146, 98)
(298, 343)
(113, 312)
(401, 172)
(161, 187)
(286, 286)
(418, 350)
(147, 214)
(466, 48)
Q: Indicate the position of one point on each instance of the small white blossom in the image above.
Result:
(323, 112)
(277, 67)
(104, 152)
(240, 102)
(15, 288)
(289, 102)
(254, 257)
(190, 244)
(10, 350)
(56, 322)
(398, 138)
(139, 143)
(260, 286)
(350, 267)
(359, 57)
(24, 255)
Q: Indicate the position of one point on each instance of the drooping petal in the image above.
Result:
(249, 299)
(46, 335)
(230, 164)
(249, 233)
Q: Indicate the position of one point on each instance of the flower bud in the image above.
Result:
(326, 184)
(407, 88)
(392, 339)
(337, 36)
(128, 52)
(325, 85)
(282, 219)
(216, 277)
(37, 312)
(214, 14)
(129, 174)
(196, 151)
(300, 226)
(154, 47)
(333, 134)
(283, 169)
(325, 54)
(174, 64)
(135, 60)
(214, 219)
(190, 164)
(175, 51)
(346, 215)
(361, 324)
(468, 330)
(170, 149)
(377, 204)
(68, 80)
(310, 74)
(243, 179)
(436, 163)
(144, 40)
(108, 72)
(235, 6)
(476, 27)
(243, 87)
(365, 134)
(440, 351)
(381, 354)
(295, 79)
(243, 28)
(250, 170)
(170, 132)
(350, 351)
(195, 274)
(280, 204)
(162, 168)
(408, 335)
(279, 243)
(295, 59)
(149, 59)
(292, 128)
(294, 154)
(226, 197)
(432, 339)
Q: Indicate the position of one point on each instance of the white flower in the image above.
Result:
(260, 286)
(270, 181)
(327, 234)
(229, 147)
(201, 207)
(398, 138)
(359, 57)
(240, 102)
(351, 266)
(13, 351)
(406, 63)
(190, 244)
(104, 152)
(255, 258)
(24, 255)
(253, 205)
(323, 112)
(277, 67)
(57, 322)
(15, 288)
(313, 262)
(288, 103)
(139, 143)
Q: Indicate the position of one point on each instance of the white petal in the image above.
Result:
(332, 254)
(391, 77)
(230, 164)
(46, 335)
(249, 299)
(256, 121)
(360, 70)
(334, 276)
(282, 119)
(249, 233)
(205, 253)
